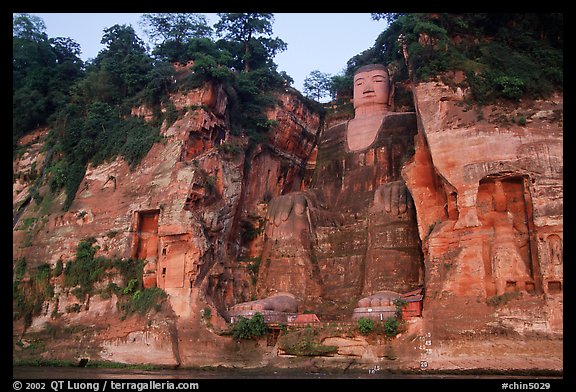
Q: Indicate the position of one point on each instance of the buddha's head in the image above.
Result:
(371, 89)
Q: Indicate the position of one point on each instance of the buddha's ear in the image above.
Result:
(391, 71)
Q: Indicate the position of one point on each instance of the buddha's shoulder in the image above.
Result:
(399, 119)
(334, 134)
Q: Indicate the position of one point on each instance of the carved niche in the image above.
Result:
(504, 208)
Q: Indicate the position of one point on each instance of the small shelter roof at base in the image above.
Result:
(413, 296)
(306, 318)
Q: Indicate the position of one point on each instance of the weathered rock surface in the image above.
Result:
(182, 211)
(466, 203)
(488, 196)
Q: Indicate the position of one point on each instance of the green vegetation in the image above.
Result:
(249, 328)
(317, 84)
(88, 106)
(230, 148)
(400, 304)
(31, 226)
(43, 70)
(254, 267)
(391, 326)
(249, 39)
(206, 313)
(502, 299)
(249, 232)
(94, 125)
(172, 31)
(29, 295)
(503, 55)
(32, 287)
(144, 300)
(365, 325)
(86, 270)
(305, 342)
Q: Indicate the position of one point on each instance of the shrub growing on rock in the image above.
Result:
(365, 325)
(249, 328)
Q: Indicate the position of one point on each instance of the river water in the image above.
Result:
(55, 373)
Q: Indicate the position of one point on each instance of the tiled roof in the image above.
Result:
(306, 318)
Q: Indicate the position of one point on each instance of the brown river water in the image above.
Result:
(65, 373)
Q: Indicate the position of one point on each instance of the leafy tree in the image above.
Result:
(341, 85)
(42, 72)
(251, 97)
(207, 68)
(317, 84)
(251, 33)
(124, 59)
(172, 31)
(388, 17)
(120, 71)
(29, 27)
(160, 82)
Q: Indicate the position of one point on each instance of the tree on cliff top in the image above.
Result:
(252, 32)
(171, 32)
(124, 60)
(317, 85)
(503, 55)
(43, 69)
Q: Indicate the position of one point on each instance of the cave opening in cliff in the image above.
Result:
(145, 246)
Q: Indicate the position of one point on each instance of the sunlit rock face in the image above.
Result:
(186, 210)
(467, 206)
(352, 230)
(488, 195)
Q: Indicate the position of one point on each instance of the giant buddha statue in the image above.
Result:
(353, 232)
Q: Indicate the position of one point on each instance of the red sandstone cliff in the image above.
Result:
(486, 192)
(185, 209)
(488, 195)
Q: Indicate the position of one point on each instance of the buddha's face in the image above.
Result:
(371, 91)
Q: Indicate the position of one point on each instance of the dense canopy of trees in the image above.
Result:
(87, 106)
(43, 70)
(504, 55)
(248, 37)
(172, 32)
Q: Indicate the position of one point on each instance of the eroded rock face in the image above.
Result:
(488, 196)
(182, 210)
(469, 207)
